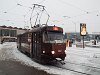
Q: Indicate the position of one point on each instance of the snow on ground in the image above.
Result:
(87, 59)
(91, 44)
(83, 54)
(11, 53)
(75, 60)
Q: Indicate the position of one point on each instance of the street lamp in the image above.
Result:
(71, 21)
(74, 25)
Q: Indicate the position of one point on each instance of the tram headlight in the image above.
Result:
(43, 51)
(53, 52)
(65, 51)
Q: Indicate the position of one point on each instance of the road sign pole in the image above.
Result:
(83, 43)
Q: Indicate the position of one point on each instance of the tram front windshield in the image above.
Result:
(53, 37)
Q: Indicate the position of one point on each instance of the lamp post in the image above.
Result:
(73, 23)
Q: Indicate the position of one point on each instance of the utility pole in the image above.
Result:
(75, 31)
(83, 43)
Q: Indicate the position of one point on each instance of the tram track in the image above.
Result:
(83, 73)
(83, 65)
(84, 50)
(73, 65)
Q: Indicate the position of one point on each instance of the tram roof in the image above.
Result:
(43, 28)
(46, 28)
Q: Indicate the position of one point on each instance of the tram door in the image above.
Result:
(19, 42)
(36, 45)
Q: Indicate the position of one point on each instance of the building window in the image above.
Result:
(13, 33)
(5, 32)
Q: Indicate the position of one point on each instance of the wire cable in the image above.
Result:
(69, 4)
(31, 15)
(41, 1)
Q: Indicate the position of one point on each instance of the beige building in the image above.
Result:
(9, 34)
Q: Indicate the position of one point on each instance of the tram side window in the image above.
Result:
(45, 38)
(24, 38)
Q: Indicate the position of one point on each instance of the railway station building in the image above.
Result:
(9, 33)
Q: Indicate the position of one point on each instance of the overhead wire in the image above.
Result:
(30, 8)
(64, 3)
(24, 6)
(7, 12)
(36, 14)
(9, 20)
(41, 9)
(86, 12)
(31, 16)
(41, 1)
(48, 16)
(70, 17)
(10, 9)
(45, 11)
(69, 4)
(41, 16)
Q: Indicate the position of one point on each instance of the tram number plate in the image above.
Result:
(59, 50)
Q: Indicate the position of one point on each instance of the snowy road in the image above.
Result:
(86, 61)
(78, 61)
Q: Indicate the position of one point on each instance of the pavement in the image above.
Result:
(10, 65)
(16, 68)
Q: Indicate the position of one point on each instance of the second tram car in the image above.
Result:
(43, 43)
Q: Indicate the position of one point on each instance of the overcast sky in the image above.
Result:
(65, 13)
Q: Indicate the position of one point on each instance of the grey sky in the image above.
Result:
(66, 13)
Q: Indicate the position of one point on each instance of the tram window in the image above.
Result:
(44, 37)
(53, 37)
